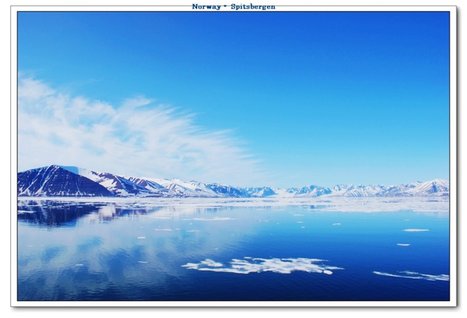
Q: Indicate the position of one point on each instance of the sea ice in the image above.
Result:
(416, 230)
(415, 275)
(163, 230)
(249, 265)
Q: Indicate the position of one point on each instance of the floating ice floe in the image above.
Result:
(213, 219)
(415, 275)
(403, 244)
(141, 237)
(163, 230)
(416, 230)
(25, 212)
(160, 217)
(191, 206)
(249, 265)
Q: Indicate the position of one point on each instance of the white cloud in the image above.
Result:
(415, 275)
(249, 265)
(136, 138)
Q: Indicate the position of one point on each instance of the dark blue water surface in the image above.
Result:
(91, 251)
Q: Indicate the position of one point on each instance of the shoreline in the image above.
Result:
(335, 204)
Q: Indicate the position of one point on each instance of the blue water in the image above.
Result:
(78, 251)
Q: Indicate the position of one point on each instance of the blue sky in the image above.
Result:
(298, 98)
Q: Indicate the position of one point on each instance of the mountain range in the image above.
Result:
(70, 181)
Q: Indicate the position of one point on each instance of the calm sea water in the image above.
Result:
(78, 251)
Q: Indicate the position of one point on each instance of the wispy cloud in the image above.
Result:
(137, 137)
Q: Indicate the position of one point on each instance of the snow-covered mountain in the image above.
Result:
(313, 191)
(119, 185)
(153, 188)
(358, 190)
(228, 191)
(73, 181)
(434, 187)
(180, 188)
(57, 181)
(261, 192)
